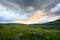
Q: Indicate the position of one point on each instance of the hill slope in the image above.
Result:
(57, 22)
(49, 25)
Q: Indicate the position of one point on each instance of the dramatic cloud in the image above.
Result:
(29, 11)
(8, 15)
(56, 9)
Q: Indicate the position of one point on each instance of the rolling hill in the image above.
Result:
(47, 31)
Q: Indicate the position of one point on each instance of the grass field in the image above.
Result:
(30, 32)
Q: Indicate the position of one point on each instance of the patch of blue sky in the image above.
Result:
(2, 10)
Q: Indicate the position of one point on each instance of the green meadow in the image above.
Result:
(30, 32)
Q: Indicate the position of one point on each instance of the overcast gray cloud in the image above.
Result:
(24, 4)
(56, 9)
(27, 9)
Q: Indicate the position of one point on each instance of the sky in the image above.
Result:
(29, 11)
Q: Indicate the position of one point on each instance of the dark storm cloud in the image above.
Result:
(24, 4)
(9, 5)
(38, 4)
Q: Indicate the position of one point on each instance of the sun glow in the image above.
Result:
(33, 19)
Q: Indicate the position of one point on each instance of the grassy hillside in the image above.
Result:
(28, 32)
(57, 22)
(50, 25)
